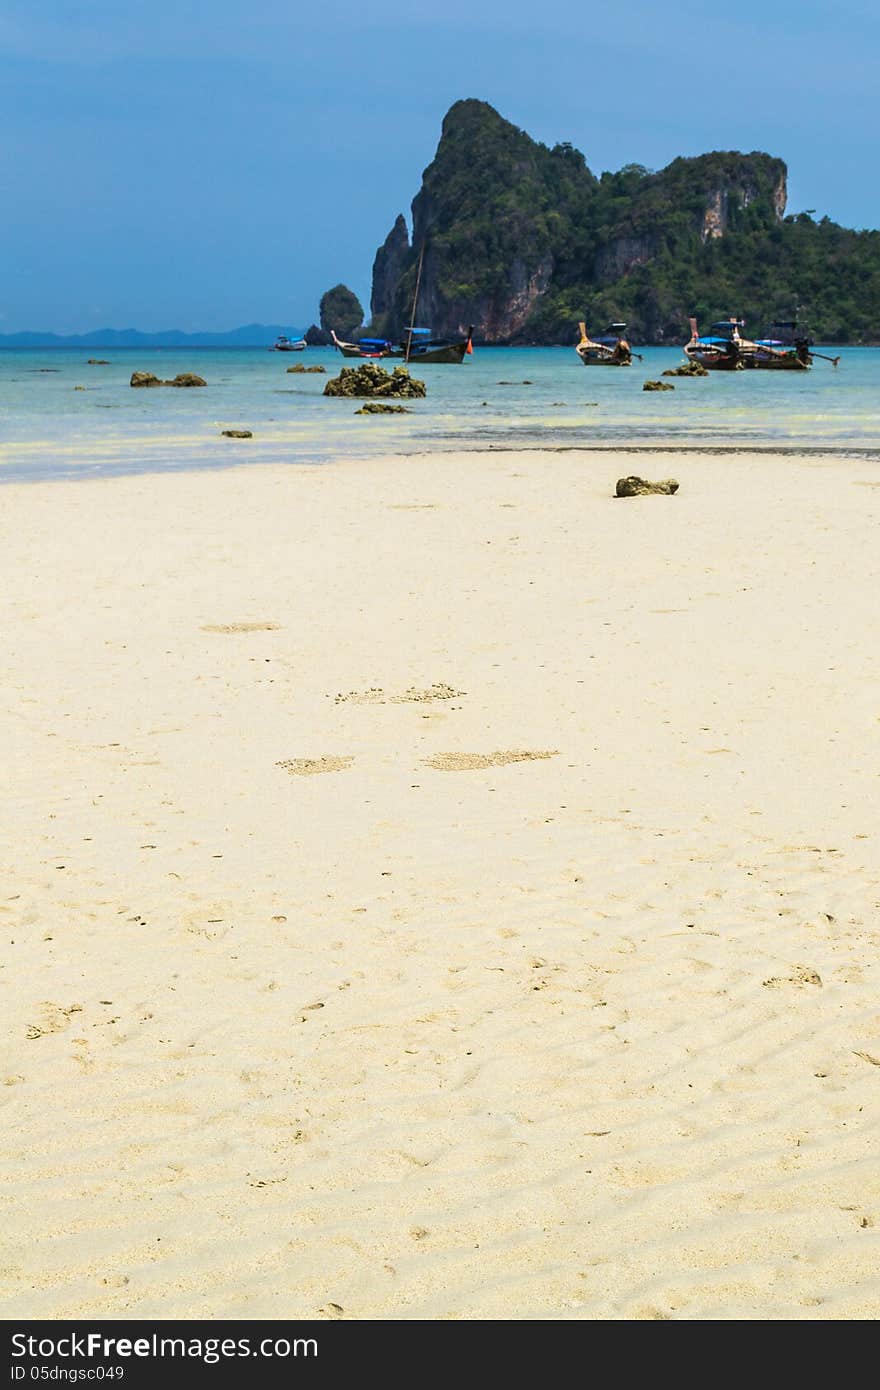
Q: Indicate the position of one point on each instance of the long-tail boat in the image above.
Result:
(417, 344)
(608, 349)
(788, 347)
(723, 349)
(781, 351)
(365, 347)
(418, 347)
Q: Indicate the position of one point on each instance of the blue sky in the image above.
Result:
(204, 165)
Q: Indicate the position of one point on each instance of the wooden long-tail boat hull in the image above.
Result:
(442, 352)
(352, 350)
(727, 351)
(591, 358)
(356, 350)
(715, 361)
(450, 352)
(780, 362)
(454, 352)
(595, 353)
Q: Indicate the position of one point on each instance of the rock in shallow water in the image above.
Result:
(691, 368)
(299, 369)
(657, 386)
(182, 379)
(381, 408)
(639, 487)
(237, 434)
(186, 379)
(372, 380)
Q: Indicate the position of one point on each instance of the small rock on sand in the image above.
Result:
(639, 487)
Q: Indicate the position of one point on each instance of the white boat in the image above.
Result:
(284, 344)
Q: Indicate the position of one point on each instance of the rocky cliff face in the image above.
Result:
(482, 265)
(623, 254)
(739, 193)
(523, 241)
(500, 313)
(388, 267)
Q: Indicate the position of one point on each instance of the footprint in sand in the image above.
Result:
(413, 696)
(374, 696)
(468, 762)
(241, 627)
(803, 975)
(213, 928)
(53, 1019)
(308, 767)
(438, 691)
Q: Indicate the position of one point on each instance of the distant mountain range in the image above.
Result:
(251, 335)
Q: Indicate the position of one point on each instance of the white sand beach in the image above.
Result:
(432, 888)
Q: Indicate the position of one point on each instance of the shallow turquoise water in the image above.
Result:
(499, 398)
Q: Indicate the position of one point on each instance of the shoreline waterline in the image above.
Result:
(501, 398)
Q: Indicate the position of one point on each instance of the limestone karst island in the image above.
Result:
(523, 240)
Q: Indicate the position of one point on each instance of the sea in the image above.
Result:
(499, 398)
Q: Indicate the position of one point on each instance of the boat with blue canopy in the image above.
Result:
(284, 344)
(417, 345)
(608, 349)
(724, 348)
(788, 347)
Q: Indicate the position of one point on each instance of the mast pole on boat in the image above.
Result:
(415, 305)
